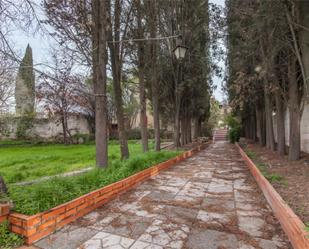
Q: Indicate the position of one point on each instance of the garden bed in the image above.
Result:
(37, 226)
(25, 161)
(289, 178)
(290, 222)
(42, 196)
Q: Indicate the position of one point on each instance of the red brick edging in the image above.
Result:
(37, 226)
(4, 211)
(290, 222)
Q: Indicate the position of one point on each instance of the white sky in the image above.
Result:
(218, 93)
(41, 46)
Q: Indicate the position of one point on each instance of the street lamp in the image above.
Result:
(180, 50)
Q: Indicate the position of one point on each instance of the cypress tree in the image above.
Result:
(25, 85)
(25, 95)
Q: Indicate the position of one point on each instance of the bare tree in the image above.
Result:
(81, 28)
(117, 30)
(7, 79)
(59, 97)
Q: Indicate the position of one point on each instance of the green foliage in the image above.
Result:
(23, 162)
(134, 134)
(261, 166)
(24, 123)
(307, 228)
(45, 195)
(215, 114)
(235, 128)
(234, 135)
(4, 126)
(251, 154)
(271, 177)
(274, 177)
(4, 198)
(86, 138)
(8, 240)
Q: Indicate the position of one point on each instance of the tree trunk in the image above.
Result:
(252, 126)
(177, 107)
(67, 138)
(258, 125)
(99, 60)
(116, 72)
(189, 130)
(280, 123)
(183, 135)
(270, 140)
(196, 128)
(3, 187)
(260, 117)
(185, 122)
(141, 66)
(177, 132)
(64, 129)
(295, 113)
(154, 80)
(246, 127)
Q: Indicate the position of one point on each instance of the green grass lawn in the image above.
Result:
(23, 162)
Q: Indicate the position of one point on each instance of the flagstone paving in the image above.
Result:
(207, 201)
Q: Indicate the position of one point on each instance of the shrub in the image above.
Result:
(8, 239)
(24, 125)
(85, 138)
(251, 155)
(134, 134)
(271, 177)
(234, 134)
(235, 128)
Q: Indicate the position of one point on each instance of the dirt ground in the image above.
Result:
(294, 188)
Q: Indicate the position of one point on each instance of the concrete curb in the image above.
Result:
(290, 222)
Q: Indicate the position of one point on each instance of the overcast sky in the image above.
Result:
(218, 93)
(41, 46)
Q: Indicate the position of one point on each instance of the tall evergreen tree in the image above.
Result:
(25, 85)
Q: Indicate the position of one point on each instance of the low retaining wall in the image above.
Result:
(4, 211)
(35, 227)
(290, 222)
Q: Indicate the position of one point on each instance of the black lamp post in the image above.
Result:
(180, 50)
(180, 53)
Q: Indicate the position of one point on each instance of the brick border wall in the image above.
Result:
(290, 222)
(35, 227)
(4, 211)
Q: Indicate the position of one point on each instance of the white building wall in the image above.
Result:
(304, 128)
(287, 127)
(49, 128)
(275, 127)
(76, 124)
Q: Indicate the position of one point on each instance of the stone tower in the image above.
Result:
(25, 85)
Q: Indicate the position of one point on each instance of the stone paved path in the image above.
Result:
(208, 201)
